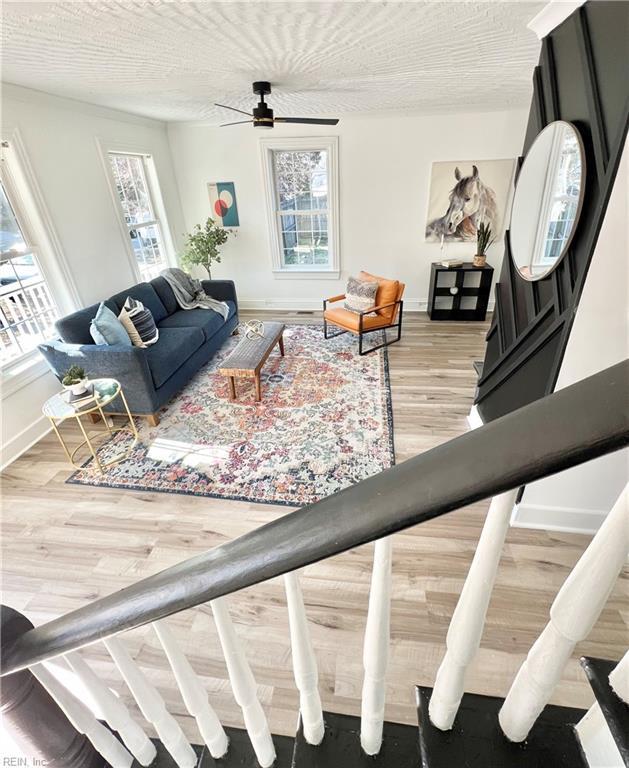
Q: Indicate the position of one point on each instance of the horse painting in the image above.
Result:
(471, 201)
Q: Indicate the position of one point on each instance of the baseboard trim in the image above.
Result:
(564, 519)
(23, 441)
(316, 305)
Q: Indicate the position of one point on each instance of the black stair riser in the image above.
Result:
(477, 741)
(341, 746)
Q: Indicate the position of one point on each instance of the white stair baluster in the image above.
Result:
(466, 627)
(619, 679)
(83, 720)
(114, 710)
(243, 685)
(574, 612)
(304, 662)
(193, 693)
(376, 648)
(596, 740)
(152, 705)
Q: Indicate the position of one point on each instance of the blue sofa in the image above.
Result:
(150, 377)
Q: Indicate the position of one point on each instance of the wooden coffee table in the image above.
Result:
(246, 361)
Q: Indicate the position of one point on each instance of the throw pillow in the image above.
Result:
(105, 328)
(142, 320)
(127, 322)
(388, 291)
(360, 295)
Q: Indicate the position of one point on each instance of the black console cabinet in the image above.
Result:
(459, 293)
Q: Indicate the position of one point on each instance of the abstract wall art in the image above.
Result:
(222, 196)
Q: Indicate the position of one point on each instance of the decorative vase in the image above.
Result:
(77, 389)
(479, 260)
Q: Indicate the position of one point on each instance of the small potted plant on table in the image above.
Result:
(75, 380)
(483, 240)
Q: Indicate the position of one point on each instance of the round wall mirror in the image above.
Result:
(547, 200)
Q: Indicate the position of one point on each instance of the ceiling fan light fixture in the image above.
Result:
(263, 114)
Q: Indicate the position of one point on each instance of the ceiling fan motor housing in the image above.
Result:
(262, 114)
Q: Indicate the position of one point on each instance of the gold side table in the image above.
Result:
(57, 409)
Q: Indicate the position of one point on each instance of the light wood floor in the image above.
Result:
(65, 545)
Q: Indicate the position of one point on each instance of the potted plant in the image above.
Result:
(75, 380)
(483, 240)
(202, 245)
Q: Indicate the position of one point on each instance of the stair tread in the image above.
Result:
(341, 746)
(239, 755)
(477, 741)
(614, 709)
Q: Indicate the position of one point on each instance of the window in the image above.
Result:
(565, 196)
(146, 232)
(27, 309)
(560, 202)
(302, 199)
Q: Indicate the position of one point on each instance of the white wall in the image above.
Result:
(385, 167)
(60, 139)
(580, 498)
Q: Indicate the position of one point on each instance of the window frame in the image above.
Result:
(329, 144)
(549, 198)
(33, 218)
(158, 208)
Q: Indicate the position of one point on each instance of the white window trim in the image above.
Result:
(330, 144)
(105, 146)
(35, 218)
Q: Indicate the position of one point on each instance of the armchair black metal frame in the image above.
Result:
(364, 331)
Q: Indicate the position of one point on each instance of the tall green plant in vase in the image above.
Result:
(202, 245)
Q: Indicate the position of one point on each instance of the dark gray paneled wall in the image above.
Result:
(583, 77)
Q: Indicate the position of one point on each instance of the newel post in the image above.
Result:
(33, 718)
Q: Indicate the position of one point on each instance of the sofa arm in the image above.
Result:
(119, 361)
(221, 290)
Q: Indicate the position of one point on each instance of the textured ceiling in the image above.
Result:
(171, 60)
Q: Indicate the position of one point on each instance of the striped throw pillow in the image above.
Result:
(360, 295)
(139, 323)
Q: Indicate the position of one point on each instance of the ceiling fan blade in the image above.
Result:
(238, 122)
(233, 109)
(307, 120)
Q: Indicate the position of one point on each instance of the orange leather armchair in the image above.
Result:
(388, 313)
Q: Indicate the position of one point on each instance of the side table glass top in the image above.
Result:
(58, 407)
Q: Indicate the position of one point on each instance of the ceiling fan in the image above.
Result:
(263, 114)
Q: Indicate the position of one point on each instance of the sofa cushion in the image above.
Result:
(206, 319)
(105, 328)
(350, 320)
(166, 295)
(75, 328)
(136, 316)
(145, 293)
(174, 347)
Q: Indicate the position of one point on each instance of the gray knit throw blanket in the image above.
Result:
(190, 294)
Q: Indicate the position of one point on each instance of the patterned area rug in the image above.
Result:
(324, 423)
